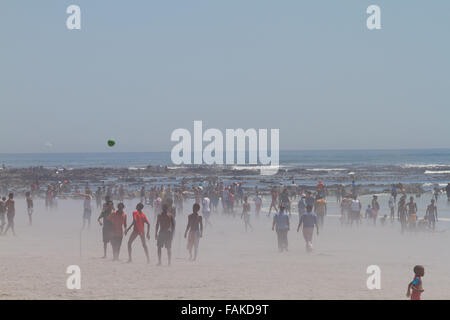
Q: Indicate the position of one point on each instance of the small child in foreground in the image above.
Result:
(416, 284)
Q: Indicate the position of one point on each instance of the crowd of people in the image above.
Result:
(165, 202)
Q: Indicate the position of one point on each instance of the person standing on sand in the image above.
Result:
(431, 214)
(143, 197)
(195, 229)
(106, 224)
(98, 197)
(320, 209)
(139, 222)
(273, 204)
(392, 207)
(375, 209)
(402, 213)
(447, 190)
(164, 230)
(246, 214)
(301, 205)
(29, 206)
(87, 210)
(2, 214)
(10, 213)
(118, 221)
(309, 221)
(258, 204)
(281, 225)
(355, 208)
(412, 213)
(394, 192)
(206, 209)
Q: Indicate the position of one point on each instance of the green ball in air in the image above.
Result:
(111, 142)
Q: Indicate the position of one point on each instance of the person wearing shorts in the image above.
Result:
(10, 213)
(281, 225)
(195, 230)
(309, 221)
(87, 210)
(2, 214)
(108, 208)
(139, 222)
(355, 208)
(29, 207)
(118, 221)
(165, 225)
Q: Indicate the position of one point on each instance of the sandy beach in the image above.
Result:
(232, 264)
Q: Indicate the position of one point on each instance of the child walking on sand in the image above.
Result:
(416, 284)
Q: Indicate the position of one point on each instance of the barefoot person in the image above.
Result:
(29, 207)
(246, 214)
(195, 229)
(118, 221)
(258, 204)
(273, 204)
(416, 284)
(309, 221)
(281, 225)
(10, 213)
(164, 230)
(412, 213)
(108, 208)
(87, 210)
(206, 207)
(2, 214)
(139, 222)
(431, 214)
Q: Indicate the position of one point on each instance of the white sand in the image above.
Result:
(232, 264)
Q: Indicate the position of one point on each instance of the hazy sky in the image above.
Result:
(137, 70)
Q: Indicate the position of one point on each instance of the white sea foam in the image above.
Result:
(437, 172)
(429, 165)
(327, 169)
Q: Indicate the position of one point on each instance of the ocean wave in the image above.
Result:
(327, 169)
(437, 172)
(429, 165)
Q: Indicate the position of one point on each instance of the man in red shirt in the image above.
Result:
(139, 221)
(118, 220)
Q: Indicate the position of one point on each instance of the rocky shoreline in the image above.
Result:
(20, 180)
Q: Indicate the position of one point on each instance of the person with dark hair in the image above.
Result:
(2, 214)
(139, 222)
(447, 190)
(431, 214)
(402, 213)
(309, 221)
(165, 224)
(412, 213)
(246, 214)
(108, 208)
(195, 229)
(416, 284)
(10, 213)
(281, 225)
(118, 220)
(29, 206)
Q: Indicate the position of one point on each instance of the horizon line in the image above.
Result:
(282, 150)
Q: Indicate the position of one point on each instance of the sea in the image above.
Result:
(428, 167)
